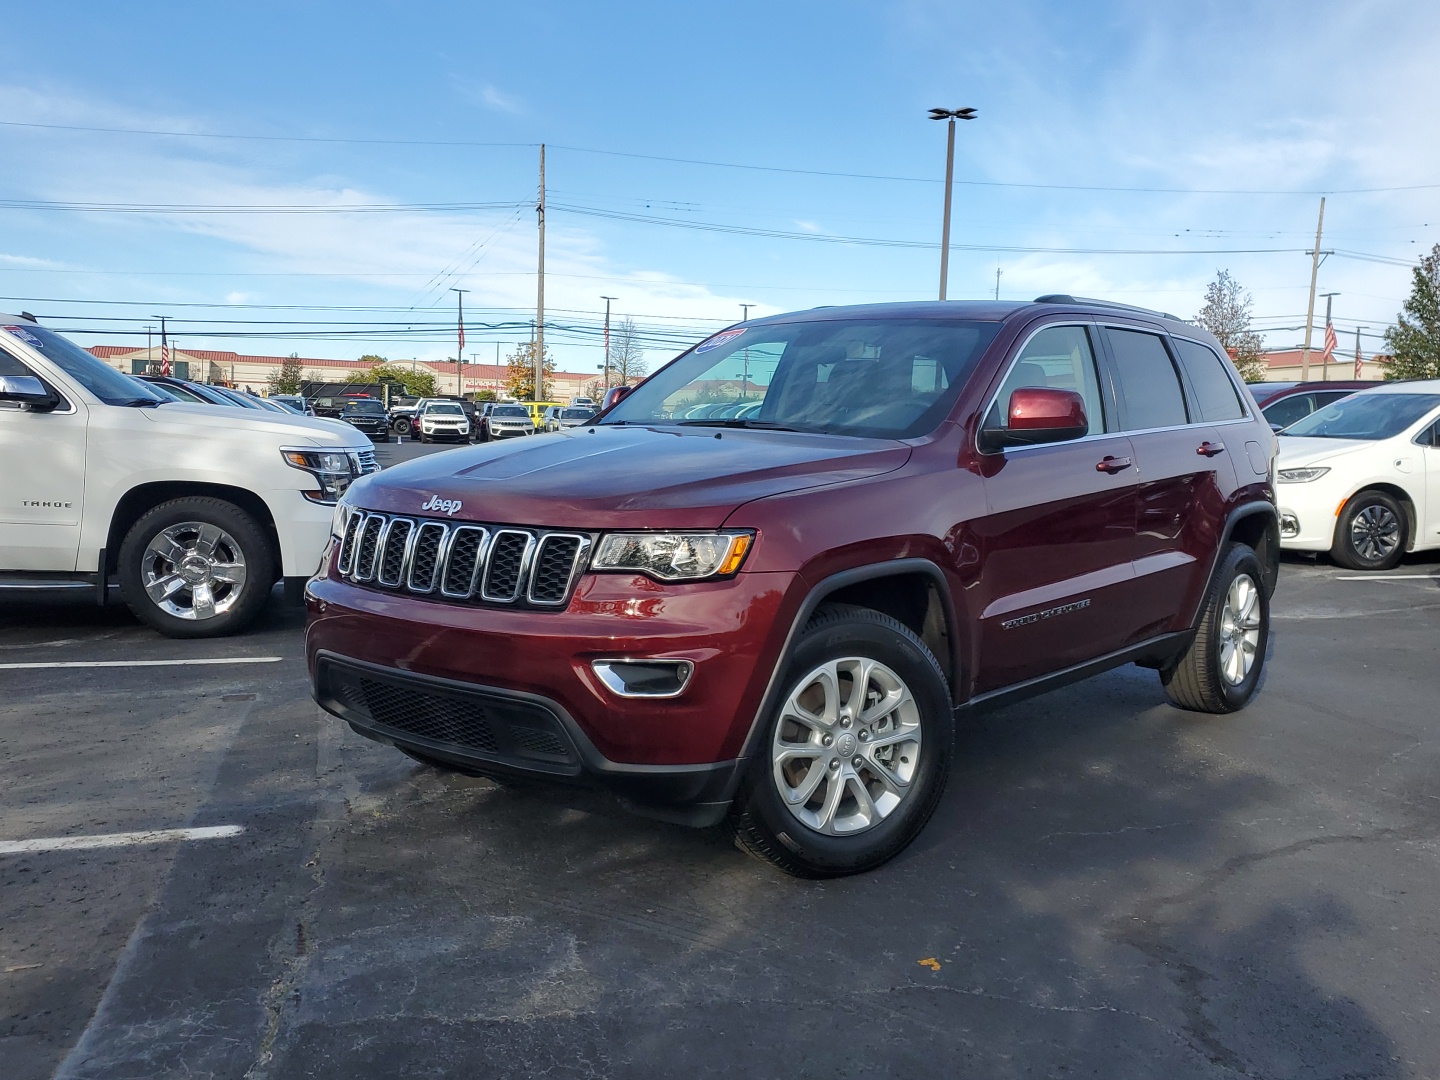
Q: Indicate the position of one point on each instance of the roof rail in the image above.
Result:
(1066, 298)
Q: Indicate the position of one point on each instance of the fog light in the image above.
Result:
(1289, 525)
(644, 678)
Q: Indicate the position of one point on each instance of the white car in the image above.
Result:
(1361, 478)
(442, 420)
(196, 509)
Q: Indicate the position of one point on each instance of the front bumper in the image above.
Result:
(527, 696)
(446, 432)
(507, 432)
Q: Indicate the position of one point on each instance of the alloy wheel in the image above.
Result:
(847, 746)
(1374, 532)
(193, 570)
(1239, 629)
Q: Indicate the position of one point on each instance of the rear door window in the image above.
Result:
(1147, 384)
(1215, 396)
(1287, 410)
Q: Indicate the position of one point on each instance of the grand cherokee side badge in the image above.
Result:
(445, 506)
(1048, 613)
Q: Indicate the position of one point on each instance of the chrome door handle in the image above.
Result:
(1209, 449)
(1112, 465)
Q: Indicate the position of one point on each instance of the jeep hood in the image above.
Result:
(625, 477)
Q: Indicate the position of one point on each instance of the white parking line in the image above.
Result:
(145, 663)
(1387, 577)
(122, 839)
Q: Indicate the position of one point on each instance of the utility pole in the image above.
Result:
(745, 370)
(952, 115)
(1357, 349)
(997, 283)
(540, 290)
(460, 339)
(1310, 311)
(497, 370)
(607, 300)
(148, 358)
(1327, 357)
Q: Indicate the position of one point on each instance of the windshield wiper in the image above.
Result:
(139, 403)
(756, 425)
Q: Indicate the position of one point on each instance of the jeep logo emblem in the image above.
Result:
(445, 506)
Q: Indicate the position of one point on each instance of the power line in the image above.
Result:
(720, 164)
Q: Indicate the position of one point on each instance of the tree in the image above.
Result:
(1414, 341)
(288, 379)
(520, 378)
(1226, 314)
(627, 358)
(416, 383)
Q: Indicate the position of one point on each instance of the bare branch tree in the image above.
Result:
(627, 358)
(1226, 314)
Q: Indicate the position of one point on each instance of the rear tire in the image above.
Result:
(1220, 670)
(196, 567)
(1370, 533)
(853, 759)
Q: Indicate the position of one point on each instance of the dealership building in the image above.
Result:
(247, 371)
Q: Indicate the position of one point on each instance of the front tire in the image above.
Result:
(1370, 533)
(1220, 670)
(854, 758)
(196, 567)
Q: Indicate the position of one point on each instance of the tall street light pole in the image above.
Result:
(1327, 358)
(607, 300)
(951, 115)
(1357, 349)
(745, 371)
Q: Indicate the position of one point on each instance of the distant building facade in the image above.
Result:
(247, 370)
(1286, 365)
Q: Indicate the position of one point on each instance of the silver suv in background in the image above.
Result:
(501, 420)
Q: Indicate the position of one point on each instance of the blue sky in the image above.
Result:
(682, 138)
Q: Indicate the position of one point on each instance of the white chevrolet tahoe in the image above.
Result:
(195, 510)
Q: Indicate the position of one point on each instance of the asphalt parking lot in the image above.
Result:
(1110, 887)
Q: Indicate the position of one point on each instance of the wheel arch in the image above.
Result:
(913, 591)
(138, 501)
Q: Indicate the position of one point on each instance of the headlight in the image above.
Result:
(1302, 476)
(677, 556)
(333, 470)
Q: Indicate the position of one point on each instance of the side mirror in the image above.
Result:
(26, 390)
(613, 396)
(1039, 414)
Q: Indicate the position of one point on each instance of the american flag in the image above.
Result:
(164, 356)
(1330, 343)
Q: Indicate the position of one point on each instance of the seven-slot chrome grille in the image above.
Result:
(491, 564)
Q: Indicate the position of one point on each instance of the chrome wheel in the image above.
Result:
(847, 746)
(1239, 629)
(193, 570)
(1374, 532)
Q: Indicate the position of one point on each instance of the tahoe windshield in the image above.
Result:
(110, 386)
(878, 378)
(1365, 416)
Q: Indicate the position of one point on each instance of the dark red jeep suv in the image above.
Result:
(763, 586)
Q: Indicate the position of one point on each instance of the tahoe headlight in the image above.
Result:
(1302, 476)
(333, 470)
(673, 556)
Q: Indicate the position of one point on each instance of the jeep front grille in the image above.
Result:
(463, 562)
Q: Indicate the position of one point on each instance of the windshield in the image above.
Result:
(510, 410)
(365, 407)
(576, 414)
(879, 378)
(1365, 416)
(447, 410)
(110, 386)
